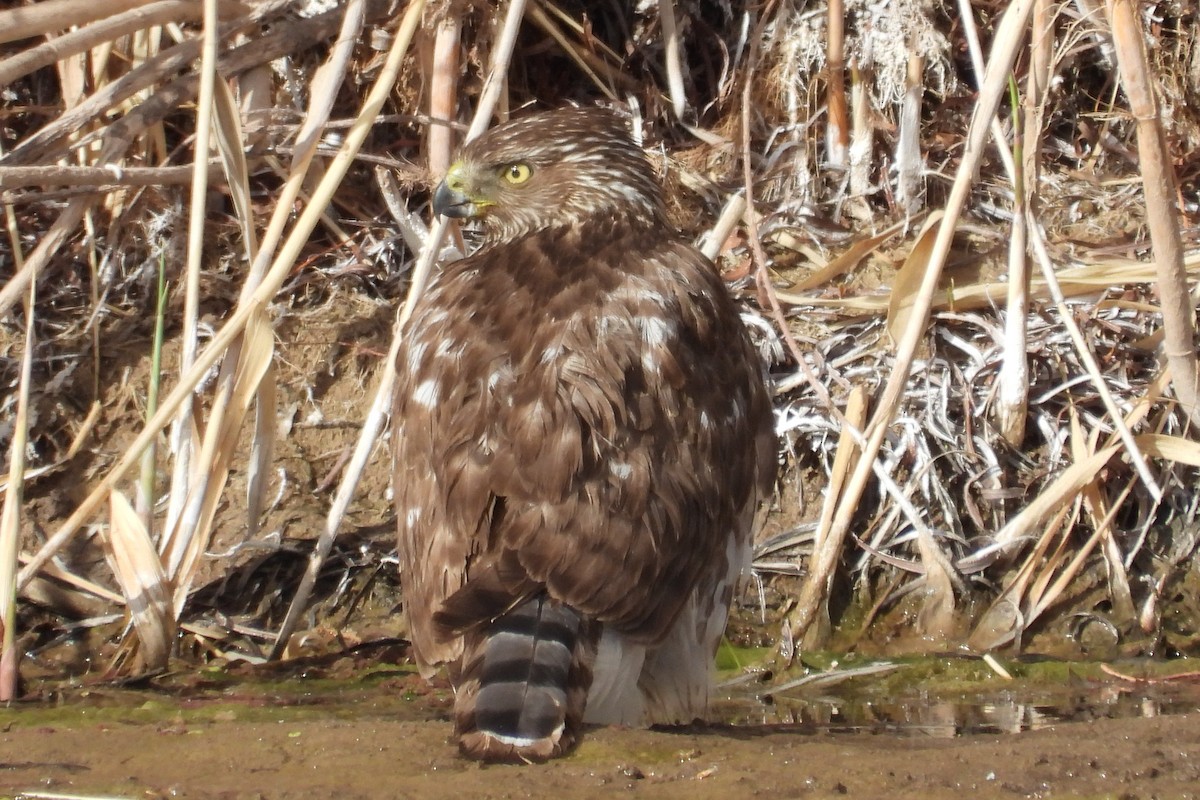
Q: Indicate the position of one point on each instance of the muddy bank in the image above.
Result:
(320, 756)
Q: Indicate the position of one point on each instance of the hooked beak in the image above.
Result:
(451, 202)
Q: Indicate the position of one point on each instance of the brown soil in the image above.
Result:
(355, 727)
(1126, 758)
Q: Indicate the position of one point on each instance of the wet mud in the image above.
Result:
(387, 735)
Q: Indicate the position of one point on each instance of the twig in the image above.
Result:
(1089, 361)
(101, 177)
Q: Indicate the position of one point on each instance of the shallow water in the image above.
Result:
(952, 697)
(924, 728)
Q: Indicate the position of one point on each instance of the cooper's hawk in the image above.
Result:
(582, 440)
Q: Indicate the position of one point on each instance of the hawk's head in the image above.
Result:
(546, 170)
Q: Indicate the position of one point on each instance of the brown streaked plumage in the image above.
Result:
(582, 440)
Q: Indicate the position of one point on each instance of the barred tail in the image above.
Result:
(522, 692)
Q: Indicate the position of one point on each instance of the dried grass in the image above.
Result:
(998, 456)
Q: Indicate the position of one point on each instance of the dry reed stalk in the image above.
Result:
(1089, 362)
(1004, 621)
(10, 515)
(38, 260)
(1100, 512)
(672, 48)
(731, 214)
(99, 178)
(812, 603)
(1162, 215)
(862, 141)
(147, 589)
(975, 51)
(1029, 593)
(1012, 379)
(906, 286)
(1004, 53)
(598, 65)
(443, 94)
(939, 579)
(1072, 281)
(48, 16)
(909, 164)
(1072, 569)
(837, 129)
(96, 34)
(252, 304)
(1012, 396)
(373, 425)
(119, 135)
(248, 364)
(41, 146)
(762, 272)
(230, 145)
(846, 261)
(183, 431)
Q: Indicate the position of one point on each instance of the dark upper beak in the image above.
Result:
(452, 202)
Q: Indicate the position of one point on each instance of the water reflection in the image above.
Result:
(948, 717)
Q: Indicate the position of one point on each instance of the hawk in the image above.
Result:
(583, 437)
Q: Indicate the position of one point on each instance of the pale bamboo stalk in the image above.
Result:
(47, 16)
(672, 53)
(812, 603)
(38, 146)
(182, 430)
(909, 164)
(1162, 215)
(862, 138)
(82, 39)
(1004, 53)
(837, 127)
(373, 425)
(1012, 396)
(443, 94)
(248, 361)
(10, 516)
(251, 305)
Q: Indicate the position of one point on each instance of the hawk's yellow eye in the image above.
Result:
(516, 174)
